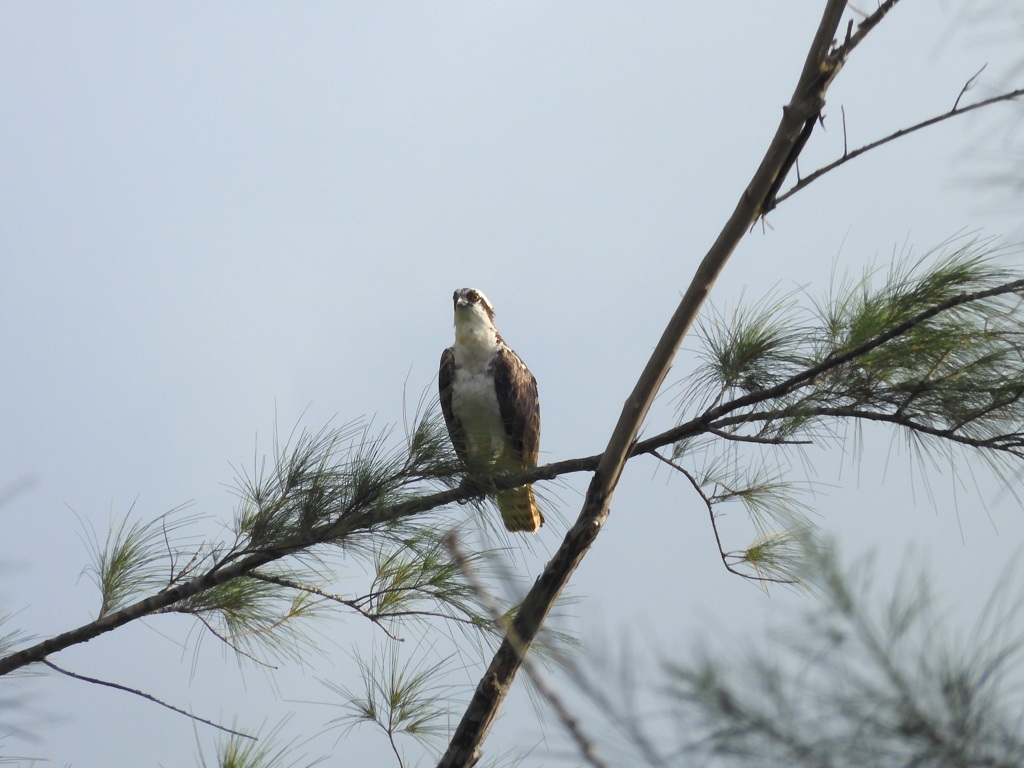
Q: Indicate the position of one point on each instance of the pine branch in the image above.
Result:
(396, 698)
(806, 377)
(373, 516)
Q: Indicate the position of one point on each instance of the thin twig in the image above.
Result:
(144, 695)
(971, 81)
(228, 642)
(709, 503)
(394, 747)
(846, 148)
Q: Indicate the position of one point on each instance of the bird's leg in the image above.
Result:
(477, 484)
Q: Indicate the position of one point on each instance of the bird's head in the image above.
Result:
(469, 303)
(474, 314)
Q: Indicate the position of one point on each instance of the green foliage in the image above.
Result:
(895, 353)
(956, 372)
(417, 577)
(249, 614)
(241, 752)
(937, 350)
(136, 558)
(774, 557)
(326, 488)
(752, 350)
(332, 484)
(398, 698)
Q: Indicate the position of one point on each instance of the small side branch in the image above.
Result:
(710, 505)
(227, 641)
(853, 39)
(311, 590)
(144, 695)
(971, 81)
(847, 156)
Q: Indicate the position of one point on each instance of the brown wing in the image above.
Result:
(445, 379)
(520, 405)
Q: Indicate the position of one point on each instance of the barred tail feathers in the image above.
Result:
(519, 510)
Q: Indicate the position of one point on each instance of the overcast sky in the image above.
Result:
(215, 218)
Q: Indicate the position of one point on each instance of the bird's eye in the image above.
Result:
(474, 296)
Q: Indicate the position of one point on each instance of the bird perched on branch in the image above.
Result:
(490, 404)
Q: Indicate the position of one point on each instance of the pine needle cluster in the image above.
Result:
(337, 482)
(936, 349)
(328, 489)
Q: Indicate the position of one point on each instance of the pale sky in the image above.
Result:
(215, 218)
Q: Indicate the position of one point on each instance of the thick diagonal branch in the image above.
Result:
(819, 69)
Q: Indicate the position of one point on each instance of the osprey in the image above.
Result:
(490, 404)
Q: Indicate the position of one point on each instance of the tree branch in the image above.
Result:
(699, 424)
(244, 563)
(144, 695)
(738, 438)
(710, 505)
(817, 85)
(586, 748)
